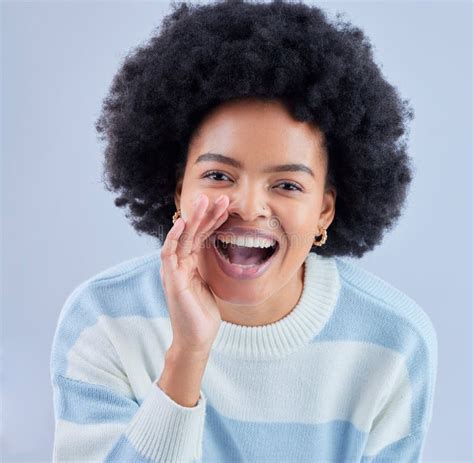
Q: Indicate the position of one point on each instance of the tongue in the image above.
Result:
(245, 256)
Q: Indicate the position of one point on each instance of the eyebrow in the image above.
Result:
(235, 163)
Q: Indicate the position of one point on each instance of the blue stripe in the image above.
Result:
(85, 403)
(359, 317)
(123, 451)
(408, 449)
(227, 439)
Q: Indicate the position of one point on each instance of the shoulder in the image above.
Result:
(395, 318)
(378, 315)
(372, 288)
(111, 290)
(123, 269)
(130, 289)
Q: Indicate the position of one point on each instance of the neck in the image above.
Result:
(272, 309)
(303, 321)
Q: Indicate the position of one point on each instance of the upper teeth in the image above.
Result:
(247, 241)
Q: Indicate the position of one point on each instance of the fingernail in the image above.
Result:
(220, 199)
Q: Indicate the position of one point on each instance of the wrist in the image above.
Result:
(179, 352)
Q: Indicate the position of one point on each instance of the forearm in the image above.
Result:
(182, 375)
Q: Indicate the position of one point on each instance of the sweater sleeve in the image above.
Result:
(97, 417)
(400, 428)
(407, 449)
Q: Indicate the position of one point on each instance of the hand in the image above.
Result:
(194, 315)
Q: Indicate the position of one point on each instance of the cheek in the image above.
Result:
(298, 230)
(187, 203)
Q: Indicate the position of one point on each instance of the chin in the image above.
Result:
(236, 294)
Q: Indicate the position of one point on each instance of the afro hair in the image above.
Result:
(323, 70)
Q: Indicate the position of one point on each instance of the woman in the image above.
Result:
(260, 143)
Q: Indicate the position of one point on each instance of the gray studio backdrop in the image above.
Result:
(60, 227)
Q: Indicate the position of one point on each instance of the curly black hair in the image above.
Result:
(323, 71)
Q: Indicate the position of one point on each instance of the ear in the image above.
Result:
(329, 207)
(177, 193)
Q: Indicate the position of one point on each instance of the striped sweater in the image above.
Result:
(347, 376)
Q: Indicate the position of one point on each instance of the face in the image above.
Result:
(253, 139)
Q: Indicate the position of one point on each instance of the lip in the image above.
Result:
(242, 272)
(244, 231)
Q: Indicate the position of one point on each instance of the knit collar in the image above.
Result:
(321, 287)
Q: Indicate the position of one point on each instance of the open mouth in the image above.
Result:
(244, 255)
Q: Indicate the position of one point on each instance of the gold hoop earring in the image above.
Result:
(322, 240)
(176, 215)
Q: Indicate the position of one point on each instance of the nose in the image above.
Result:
(248, 204)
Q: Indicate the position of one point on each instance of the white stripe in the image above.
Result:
(125, 354)
(326, 381)
(93, 442)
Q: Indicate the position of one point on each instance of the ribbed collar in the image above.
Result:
(321, 287)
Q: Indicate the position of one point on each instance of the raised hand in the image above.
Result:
(194, 314)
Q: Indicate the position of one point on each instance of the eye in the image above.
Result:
(294, 186)
(214, 172)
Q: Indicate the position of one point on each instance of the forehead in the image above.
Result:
(258, 132)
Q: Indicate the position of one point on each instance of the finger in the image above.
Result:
(186, 240)
(219, 222)
(213, 213)
(169, 259)
(216, 217)
(162, 276)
